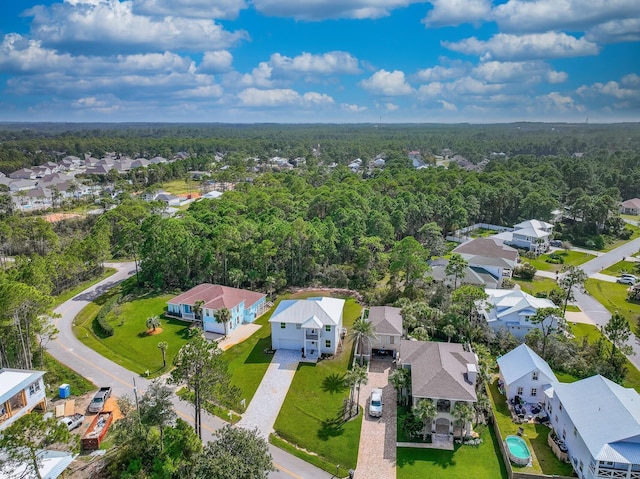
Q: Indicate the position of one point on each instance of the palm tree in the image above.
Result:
(163, 345)
(482, 405)
(153, 322)
(449, 330)
(360, 377)
(350, 382)
(400, 379)
(362, 331)
(425, 411)
(222, 316)
(197, 309)
(456, 266)
(463, 413)
(236, 277)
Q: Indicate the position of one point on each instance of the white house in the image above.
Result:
(533, 235)
(245, 306)
(489, 259)
(599, 422)
(387, 321)
(444, 373)
(311, 325)
(525, 374)
(21, 391)
(512, 309)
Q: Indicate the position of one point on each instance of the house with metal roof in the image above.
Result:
(21, 391)
(200, 304)
(512, 310)
(445, 373)
(525, 374)
(312, 326)
(599, 422)
(532, 235)
(387, 322)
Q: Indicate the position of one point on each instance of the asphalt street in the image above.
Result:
(102, 372)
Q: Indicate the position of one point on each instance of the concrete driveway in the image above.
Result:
(377, 453)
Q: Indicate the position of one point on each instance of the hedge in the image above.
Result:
(100, 324)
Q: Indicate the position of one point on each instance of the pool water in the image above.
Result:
(517, 447)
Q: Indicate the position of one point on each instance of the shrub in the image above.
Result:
(625, 234)
(508, 283)
(555, 258)
(525, 271)
(100, 325)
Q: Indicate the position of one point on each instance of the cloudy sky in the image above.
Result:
(341, 61)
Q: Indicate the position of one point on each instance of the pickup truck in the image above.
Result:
(100, 398)
(375, 403)
(73, 422)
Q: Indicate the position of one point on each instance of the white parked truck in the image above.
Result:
(73, 422)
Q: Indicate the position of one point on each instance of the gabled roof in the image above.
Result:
(535, 224)
(438, 370)
(522, 361)
(386, 319)
(606, 415)
(512, 301)
(632, 203)
(328, 311)
(531, 232)
(487, 248)
(216, 296)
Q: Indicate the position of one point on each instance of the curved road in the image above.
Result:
(103, 372)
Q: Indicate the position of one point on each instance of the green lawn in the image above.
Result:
(130, 346)
(592, 333)
(179, 187)
(544, 461)
(537, 285)
(311, 414)
(571, 258)
(620, 242)
(613, 296)
(62, 297)
(572, 308)
(621, 267)
(464, 462)
(57, 374)
(630, 217)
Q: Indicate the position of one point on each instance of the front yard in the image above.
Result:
(535, 435)
(622, 267)
(569, 258)
(464, 462)
(537, 285)
(311, 414)
(613, 296)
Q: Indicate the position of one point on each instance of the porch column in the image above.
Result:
(629, 471)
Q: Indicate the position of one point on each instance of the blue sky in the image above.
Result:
(344, 61)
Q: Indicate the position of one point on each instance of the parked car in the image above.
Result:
(73, 422)
(375, 403)
(626, 275)
(100, 398)
(556, 243)
(626, 280)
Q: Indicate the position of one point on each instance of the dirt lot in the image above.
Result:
(55, 217)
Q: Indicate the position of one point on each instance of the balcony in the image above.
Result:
(311, 336)
(443, 405)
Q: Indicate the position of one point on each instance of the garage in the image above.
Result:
(289, 344)
(383, 353)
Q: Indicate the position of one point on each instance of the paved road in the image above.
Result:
(103, 372)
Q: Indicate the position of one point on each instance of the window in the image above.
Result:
(283, 325)
(556, 418)
(391, 339)
(327, 343)
(534, 376)
(550, 408)
(564, 434)
(520, 391)
(34, 388)
(575, 431)
(560, 406)
(298, 326)
(534, 392)
(526, 319)
(581, 466)
(327, 328)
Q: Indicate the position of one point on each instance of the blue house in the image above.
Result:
(245, 306)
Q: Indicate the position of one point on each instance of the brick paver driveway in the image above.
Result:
(377, 454)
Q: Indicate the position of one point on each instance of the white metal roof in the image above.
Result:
(520, 362)
(15, 380)
(298, 311)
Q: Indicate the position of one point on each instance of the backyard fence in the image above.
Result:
(462, 235)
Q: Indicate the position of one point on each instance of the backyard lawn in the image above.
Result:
(613, 296)
(544, 461)
(180, 187)
(537, 285)
(571, 258)
(130, 346)
(464, 462)
(311, 414)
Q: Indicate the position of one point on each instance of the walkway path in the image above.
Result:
(377, 453)
(269, 397)
(103, 372)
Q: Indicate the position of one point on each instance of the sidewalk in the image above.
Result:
(268, 399)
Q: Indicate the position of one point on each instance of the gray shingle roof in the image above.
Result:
(386, 319)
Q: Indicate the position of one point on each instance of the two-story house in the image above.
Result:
(599, 422)
(444, 373)
(525, 374)
(489, 259)
(312, 326)
(387, 322)
(21, 391)
(512, 310)
(200, 304)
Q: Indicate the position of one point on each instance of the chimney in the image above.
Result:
(472, 372)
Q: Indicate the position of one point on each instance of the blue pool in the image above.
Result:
(518, 450)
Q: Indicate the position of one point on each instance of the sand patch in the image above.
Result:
(154, 332)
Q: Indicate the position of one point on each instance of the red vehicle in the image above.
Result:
(97, 430)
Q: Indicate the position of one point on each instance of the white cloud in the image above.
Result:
(112, 25)
(219, 9)
(457, 12)
(627, 89)
(330, 63)
(448, 106)
(521, 72)
(504, 46)
(330, 9)
(254, 97)
(615, 31)
(259, 76)
(391, 106)
(430, 90)
(208, 91)
(19, 54)
(353, 108)
(387, 83)
(573, 15)
(215, 62)
(439, 72)
(557, 102)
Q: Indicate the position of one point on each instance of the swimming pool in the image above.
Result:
(518, 451)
